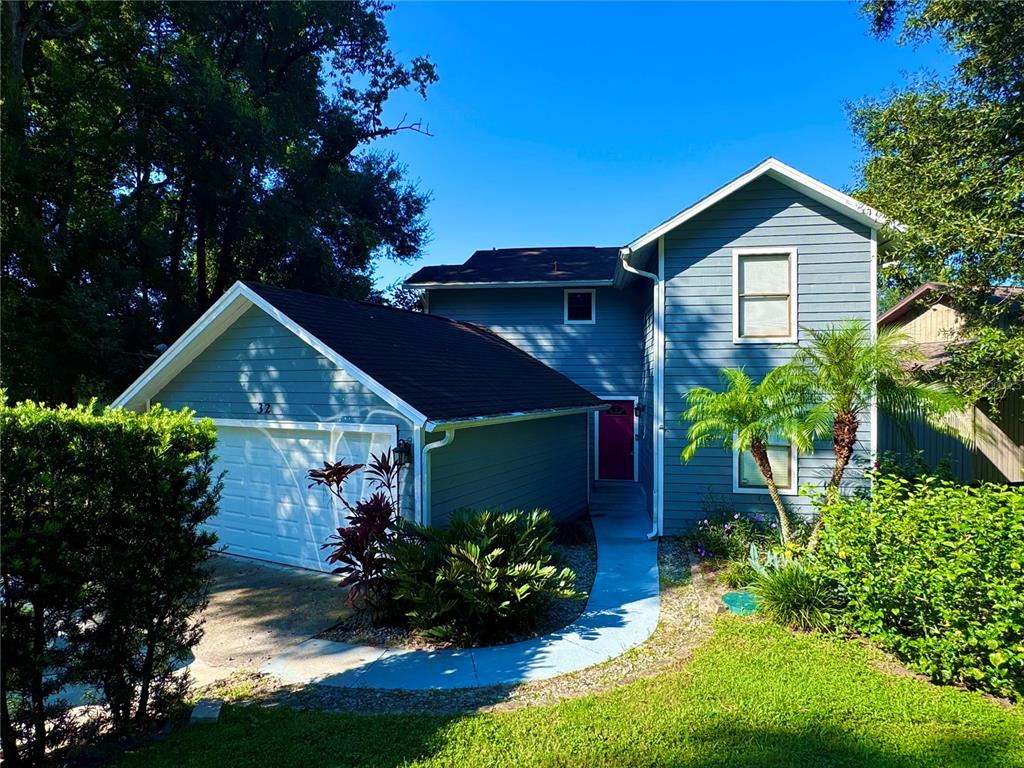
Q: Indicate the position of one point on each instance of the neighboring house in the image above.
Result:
(294, 379)
(930, 317)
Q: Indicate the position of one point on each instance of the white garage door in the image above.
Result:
(267, 510)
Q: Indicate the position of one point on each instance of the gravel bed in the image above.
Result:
(690, 598)
(580, 556)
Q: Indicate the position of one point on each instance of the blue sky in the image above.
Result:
(589, 123)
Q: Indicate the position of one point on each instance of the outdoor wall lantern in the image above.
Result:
(403, 453)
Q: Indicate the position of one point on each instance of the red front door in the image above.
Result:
(615, 441)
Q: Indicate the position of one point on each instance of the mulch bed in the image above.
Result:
(575, 547)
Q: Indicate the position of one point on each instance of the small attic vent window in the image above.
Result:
(579, 306)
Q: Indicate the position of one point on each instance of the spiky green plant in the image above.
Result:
(843, 369)
(745, 416)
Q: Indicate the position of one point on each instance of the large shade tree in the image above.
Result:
(945, 157)
(155, 152)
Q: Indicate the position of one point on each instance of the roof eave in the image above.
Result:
(465, 422)
(513, 284)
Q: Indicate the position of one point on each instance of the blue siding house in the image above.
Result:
(534, 374)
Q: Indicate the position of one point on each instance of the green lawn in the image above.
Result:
(754, 695)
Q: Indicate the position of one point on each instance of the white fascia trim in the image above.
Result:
(792, 178)
(873, 326)
(310, 426)
(636, 434)
(593, 306)
(793, 490)
(794, 292)
(236, 300)
(505, 418)
(516, 284)
(425, 507)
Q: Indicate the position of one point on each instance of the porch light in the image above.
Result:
(403, 453)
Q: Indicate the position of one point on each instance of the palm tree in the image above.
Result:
(844, 370)
(745, 416)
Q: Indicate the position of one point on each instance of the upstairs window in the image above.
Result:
(579, 306)
(764, 294)
(781, 457)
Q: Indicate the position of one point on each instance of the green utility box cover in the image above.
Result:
(742, 602)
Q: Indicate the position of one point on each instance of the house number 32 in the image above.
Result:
(264, 408)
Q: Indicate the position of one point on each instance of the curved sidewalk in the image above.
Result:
(621, 612)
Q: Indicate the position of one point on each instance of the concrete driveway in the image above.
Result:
(257, 610)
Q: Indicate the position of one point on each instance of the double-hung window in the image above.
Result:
(764, 294)
(782, 458)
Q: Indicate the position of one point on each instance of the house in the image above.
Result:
(535, 372)
(994, 449)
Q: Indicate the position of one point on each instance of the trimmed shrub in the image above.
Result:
(486, 575)
(934, 571)
(103, 562)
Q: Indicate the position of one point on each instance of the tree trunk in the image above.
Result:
(8, 741)
(760, 453)
(38, 695)
(844, 440)
(142, 711)
(173, 310)
(202, 295)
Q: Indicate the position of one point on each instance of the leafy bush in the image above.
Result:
(725, 534)
(486, 575)
(103, 562)
(790, 594)
(358, 548)
(934, 571)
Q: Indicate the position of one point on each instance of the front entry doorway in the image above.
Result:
(616, 441)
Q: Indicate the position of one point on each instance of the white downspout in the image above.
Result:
(656, 510)
(449, 437)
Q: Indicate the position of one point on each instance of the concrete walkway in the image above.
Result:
(622, 612)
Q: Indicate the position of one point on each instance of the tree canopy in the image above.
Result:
(153, 153)
(945, 157)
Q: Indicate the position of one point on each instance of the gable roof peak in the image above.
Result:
(785, 174)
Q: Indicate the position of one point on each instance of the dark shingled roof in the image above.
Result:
(443, 368)
(526, 265)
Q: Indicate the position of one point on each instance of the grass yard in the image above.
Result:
(754, 695)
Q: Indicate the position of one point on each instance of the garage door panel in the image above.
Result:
(267, 509)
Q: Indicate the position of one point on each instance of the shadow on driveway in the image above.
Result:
(257, 610)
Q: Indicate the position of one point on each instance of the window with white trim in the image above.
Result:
(764, 294)
(579, 306)
(783, 461)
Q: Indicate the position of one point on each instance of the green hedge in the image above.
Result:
(103, 562)
(934, 571)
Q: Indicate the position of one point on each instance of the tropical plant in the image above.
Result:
(725, 534)
(746, 416)
(844, 370)
(788, 593)
(485, 576)
(357, 549)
